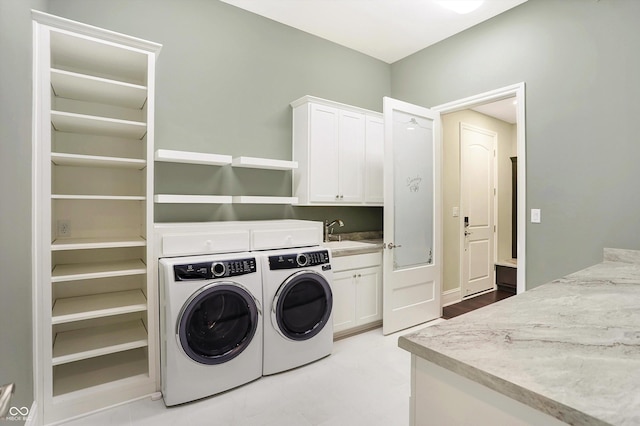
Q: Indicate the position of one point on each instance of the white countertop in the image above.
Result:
(569, 348)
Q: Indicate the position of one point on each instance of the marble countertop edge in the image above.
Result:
(512, 390)
(541, 347)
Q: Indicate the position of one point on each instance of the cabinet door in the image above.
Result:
(368, 295)
(323, 154)
(374, 161)
(351, 159)
(344, 300)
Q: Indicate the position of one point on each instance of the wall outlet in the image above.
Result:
(64, 228)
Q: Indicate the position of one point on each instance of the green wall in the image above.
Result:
(225, 78)
(580, 60)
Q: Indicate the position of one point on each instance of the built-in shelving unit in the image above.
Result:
(94, 284)
(223, 160)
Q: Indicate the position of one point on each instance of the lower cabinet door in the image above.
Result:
(357, 297)
(368, 295)
(344, 301)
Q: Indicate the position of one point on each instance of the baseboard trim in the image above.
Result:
(450, 297)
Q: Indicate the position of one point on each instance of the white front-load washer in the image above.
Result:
(298, 325)
(211, 324)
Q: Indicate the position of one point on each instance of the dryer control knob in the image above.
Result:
(302, 259)
(218, 269)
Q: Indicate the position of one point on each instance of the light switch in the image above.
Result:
(456, 211)
(535, 215)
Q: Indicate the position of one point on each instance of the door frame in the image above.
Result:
(518, 91)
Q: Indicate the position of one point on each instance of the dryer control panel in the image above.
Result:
(298, 260)
(215, 269)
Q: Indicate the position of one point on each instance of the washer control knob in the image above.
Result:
(218, 269)
(302, 259)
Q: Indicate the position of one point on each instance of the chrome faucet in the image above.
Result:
(328, 229)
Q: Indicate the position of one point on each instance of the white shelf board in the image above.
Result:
(82, 87)
(98, 373)
(96, 243)
(98, 197)
(84, 271)
(76, 345)
(98, 305)
(192, 199)
(91, 124)
(252, 199)
(79, 160)
(171, 156)
(264, 163)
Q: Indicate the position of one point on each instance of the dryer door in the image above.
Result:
(217, 323)
(302, 305)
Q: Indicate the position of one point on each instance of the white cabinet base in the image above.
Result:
(357, 293)
(441, 397)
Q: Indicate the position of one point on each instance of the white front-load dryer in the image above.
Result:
(298, 325)
(211, 324)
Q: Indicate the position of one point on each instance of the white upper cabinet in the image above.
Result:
(330, 143)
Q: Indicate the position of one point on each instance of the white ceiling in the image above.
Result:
(388, 30)
(504, 110)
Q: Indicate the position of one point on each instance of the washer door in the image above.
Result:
(302, 305)
(217, 323)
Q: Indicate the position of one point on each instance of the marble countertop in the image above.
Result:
(365, 242)
(569, 348)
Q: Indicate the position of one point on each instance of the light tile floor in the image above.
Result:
(365, 381)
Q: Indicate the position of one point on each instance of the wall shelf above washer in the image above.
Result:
(192, 199)
(172, 156)
(189, 157)
(263, 163)
(253, 199)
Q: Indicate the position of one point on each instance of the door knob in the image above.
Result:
(467, 233)
(391, 246)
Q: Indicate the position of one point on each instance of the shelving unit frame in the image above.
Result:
(94, 287)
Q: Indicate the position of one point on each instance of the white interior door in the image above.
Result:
(477, 191)
(412, 219)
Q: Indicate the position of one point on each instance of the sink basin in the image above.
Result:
(346, 244)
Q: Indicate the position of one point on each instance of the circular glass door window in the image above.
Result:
(218, 323)
(303, 305)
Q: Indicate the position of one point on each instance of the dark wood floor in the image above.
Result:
(474, 303)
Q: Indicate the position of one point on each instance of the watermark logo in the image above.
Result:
(17, 414)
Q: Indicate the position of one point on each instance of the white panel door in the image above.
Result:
(477, 191)
(412, 216)
(324, 151)
(351, 157)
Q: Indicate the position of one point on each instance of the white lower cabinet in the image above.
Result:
(357, 292)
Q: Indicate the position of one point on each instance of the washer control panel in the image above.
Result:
(299, 260)
(216, 269)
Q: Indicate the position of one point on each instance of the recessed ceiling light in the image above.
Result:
(460, 6)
